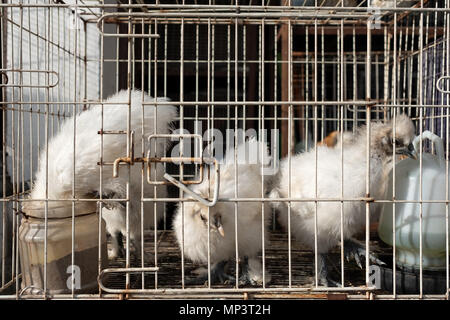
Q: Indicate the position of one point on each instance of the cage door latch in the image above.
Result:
(195, 195)
(200, 160)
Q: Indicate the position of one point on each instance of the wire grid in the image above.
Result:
(292, 66)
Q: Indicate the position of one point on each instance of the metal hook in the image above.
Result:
(195, 195)
(129, 160)
(122, 270)
(3, 73)
(438, 87)
(116, 17)
(38, 289)
(48, 72)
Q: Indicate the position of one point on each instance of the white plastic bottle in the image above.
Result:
(407, 215)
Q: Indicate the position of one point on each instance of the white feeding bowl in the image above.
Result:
(407, 215)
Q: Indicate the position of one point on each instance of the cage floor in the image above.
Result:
(277, 265)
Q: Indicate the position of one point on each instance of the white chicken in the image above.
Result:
(88, 154)
(329, 179)
(191, 223)
(334, 139)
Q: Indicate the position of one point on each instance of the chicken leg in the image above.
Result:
(354, 249)
(244, 279)
(117, 250)
(218, 275)
(322, 269)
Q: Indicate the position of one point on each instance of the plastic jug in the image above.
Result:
(32, 235)
(407, 215)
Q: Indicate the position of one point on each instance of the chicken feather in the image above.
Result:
(88, 154)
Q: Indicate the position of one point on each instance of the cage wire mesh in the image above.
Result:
(288, 72)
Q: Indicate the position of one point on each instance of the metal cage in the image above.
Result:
(291, 72)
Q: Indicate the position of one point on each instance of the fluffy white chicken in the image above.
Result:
(88, 154)
(329, 186)
(334, 139)
(191, 225)
(115, 214)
